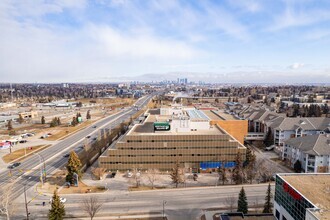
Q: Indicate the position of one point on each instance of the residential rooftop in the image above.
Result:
(314, 187)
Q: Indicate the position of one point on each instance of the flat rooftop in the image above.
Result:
(315, 187)
(218, 115)
(147, 128)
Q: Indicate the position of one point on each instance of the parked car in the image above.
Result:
(12, 166)
(22, 141)
(269, 148)
(62, 200)
(113, 175)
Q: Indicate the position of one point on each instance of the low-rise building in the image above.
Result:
(313, 152)
(302, 196)
(171, 135)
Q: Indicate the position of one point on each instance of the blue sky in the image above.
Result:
(282, 41)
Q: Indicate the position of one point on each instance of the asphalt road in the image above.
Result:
(184, 203)
(28, 173)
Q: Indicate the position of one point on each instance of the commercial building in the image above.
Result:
(27, 115)
(302, 196)
(313, 153)
(237, 128)
(171, 135)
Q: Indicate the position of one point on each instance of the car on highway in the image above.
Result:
(22, 141)
(12, 166)
(62, 200)
(88, 136)
(94, 126)
(66, 155)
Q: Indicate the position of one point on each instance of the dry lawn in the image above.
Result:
(21, 152)
(58, 179)
(63, 131)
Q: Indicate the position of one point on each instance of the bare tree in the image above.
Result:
(230, 201)
(265, 170)
(222, 171)
(98, 172)
(91, 206)
(6, 204)
(136, 176)
(153, 176)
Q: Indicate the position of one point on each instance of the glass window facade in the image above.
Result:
(292, 201)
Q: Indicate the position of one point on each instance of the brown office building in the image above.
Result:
(173, 134)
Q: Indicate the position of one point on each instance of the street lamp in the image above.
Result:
(164, 203)
(43, 168)
(26, 203)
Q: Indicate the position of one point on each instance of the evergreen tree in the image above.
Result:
(237, 175)
(43, 121)
(269, 140)
(268, 201)
(242, 204)
(10, 125)
(73, 166)
(57, 211)
(74, 121)
(177, 175)
(88, 115)
(20, 119)
(297, 167)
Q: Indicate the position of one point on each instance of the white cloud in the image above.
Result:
(295, 15)
(141, 46)
(248, 5)
(295, 66)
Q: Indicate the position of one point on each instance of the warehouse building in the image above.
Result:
(171, 135)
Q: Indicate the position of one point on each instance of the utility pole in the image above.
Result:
(26, 203)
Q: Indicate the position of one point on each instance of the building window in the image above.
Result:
(277, 214)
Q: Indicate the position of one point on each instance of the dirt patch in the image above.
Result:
(21, 152)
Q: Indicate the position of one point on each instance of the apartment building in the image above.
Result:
(286, 128)
(302, 196)
(313, 152)
(171, 135)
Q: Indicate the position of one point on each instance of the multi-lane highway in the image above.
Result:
(184, 203)
(28, 173)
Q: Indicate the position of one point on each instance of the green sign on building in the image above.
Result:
(162, 126)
